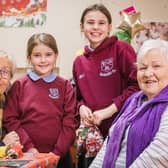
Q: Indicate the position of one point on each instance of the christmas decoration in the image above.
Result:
(130, 24)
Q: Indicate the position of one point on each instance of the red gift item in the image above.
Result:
(89, 139)
(16, 151)
(43, 160)
(128, 10)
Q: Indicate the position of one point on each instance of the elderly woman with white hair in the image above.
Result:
(138, 138)
(7, 68)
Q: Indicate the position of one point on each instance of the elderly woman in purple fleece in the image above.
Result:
(138, 138)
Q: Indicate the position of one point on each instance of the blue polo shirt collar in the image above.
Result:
(90, 48)
(50, 78)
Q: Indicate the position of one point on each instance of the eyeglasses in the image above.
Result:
(5, 74)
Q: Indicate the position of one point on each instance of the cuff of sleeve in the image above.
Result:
(118, 104)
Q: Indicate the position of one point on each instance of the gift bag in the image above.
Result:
(89, 141)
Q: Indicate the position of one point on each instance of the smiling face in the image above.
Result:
(95, 27)
(43, 60)
(5, 74)
(152, 73)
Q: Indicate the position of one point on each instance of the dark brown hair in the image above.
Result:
(97, 7)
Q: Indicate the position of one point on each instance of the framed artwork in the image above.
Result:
(22, 13)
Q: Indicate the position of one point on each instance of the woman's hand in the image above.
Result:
(100, 115)
(86, 116)
(11, 138)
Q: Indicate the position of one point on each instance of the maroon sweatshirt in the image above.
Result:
(42, 114)
(106, 75)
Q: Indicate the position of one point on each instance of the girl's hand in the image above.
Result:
(100, 115)
(86, 116)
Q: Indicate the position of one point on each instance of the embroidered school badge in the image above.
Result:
(54, 93)
(107, 67)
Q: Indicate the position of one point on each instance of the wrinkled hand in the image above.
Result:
(86, 116)
(11, 138)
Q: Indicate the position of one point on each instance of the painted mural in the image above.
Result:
(22, 13)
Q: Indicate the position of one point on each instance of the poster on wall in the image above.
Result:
(153, 30)
(22, 13)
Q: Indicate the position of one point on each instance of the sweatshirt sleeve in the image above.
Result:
(126, 62)
(67, 134)
(12, 114)
(156, 154)
(78, 93)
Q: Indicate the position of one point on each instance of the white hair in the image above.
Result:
(151, 44)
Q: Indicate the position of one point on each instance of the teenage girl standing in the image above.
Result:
(105, 74)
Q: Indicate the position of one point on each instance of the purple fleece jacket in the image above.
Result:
(106, 75)
(42, 114)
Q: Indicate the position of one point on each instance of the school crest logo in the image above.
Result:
(107, 67)
(54, 93)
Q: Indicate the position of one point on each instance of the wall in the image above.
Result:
(63, 22)
(151, 10)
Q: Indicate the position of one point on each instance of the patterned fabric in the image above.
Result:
(89, 140)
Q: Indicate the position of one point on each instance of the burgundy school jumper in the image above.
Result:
(105, 75)
(42, 114)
